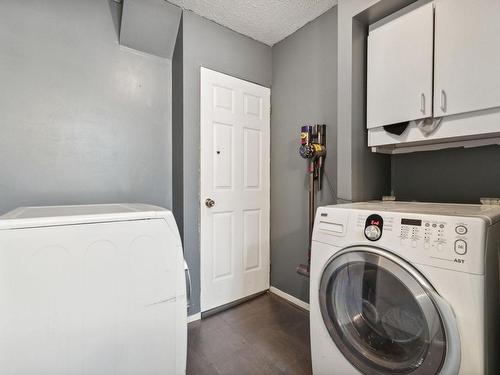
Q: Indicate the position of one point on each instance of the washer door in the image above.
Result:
(384, 316)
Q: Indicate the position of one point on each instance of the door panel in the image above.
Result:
(223, 157)
(399, 86)
(252, 158)
(235, 132)
(253, 105)
(223, 98)
(223, 242)
(467, 56)
(252, 220)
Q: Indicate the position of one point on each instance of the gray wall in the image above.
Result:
(304, 91)
(208, 44)
(177, 130)
(81, 119)
(459, 175)
(362, 175)
(456, 175)
(150, 26)
(351, 134)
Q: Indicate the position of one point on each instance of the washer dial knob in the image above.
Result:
(373, 227)
(372, 232)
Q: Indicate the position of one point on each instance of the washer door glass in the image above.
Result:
(378, 312)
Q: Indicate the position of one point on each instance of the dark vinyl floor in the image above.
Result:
(265, 335)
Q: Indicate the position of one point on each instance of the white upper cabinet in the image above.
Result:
(467, 56)
(400, 59)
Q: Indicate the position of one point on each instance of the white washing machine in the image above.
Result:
(91, 290)
(405, 288)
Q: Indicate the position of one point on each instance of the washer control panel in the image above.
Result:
(435, 235)
(444, 241)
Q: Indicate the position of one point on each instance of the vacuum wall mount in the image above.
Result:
(313, 149)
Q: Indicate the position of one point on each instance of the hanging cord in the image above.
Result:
(304, 269)
(331, 189)
(330, 186)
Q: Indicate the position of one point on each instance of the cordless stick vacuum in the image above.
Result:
(312, 148)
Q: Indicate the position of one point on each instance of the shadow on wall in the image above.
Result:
(115, 8)
(304, 92)
(288, 262)
(449, 176)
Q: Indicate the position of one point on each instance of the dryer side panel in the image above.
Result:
(91, 299)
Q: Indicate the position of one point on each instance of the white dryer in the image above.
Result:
(405, 288)
(91, 290)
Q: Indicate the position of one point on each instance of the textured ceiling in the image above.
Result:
(267, 21)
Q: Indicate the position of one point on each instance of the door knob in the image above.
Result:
(209, 203)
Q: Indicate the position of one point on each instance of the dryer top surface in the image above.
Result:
(23, 217)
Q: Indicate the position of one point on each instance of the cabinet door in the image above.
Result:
(400, 69)
(467, 56)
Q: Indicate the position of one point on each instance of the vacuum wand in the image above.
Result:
(312, 148)
(312, 196)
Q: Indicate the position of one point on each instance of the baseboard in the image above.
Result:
(293, 300)
(230, 305)
(194, 317)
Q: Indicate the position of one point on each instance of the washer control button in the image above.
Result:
(460, 247)
(372, 232)
(373, 227)
(461, 230)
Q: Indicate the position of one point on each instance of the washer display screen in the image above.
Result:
(414, 222)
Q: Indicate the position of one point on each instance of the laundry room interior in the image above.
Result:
(249, 187)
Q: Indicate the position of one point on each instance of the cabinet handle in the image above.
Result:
(443, 101)
(422, 103)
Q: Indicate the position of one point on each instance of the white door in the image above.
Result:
(467, 57)
(399, 86)
(235, 133)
